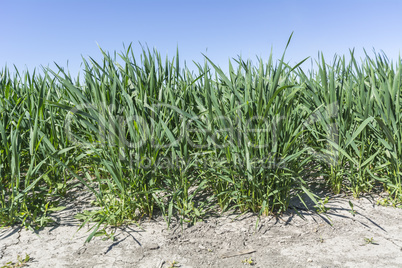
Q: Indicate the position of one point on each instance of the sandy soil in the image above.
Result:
(227, 241)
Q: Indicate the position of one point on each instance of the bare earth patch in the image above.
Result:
(371, 238)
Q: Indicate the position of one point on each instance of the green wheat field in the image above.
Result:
(150, 137)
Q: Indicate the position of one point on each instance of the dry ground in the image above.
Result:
(371, 238)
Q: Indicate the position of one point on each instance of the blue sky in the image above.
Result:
(38, 33)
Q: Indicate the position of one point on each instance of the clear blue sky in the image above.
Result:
(35, 33)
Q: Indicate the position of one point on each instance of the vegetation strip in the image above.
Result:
(151, 136)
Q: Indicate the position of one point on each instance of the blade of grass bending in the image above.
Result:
(220, 72)
(359, 130)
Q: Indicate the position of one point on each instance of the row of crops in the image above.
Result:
(150, 137)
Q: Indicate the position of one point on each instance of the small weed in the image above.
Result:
(388, 202)
(352, 211)
(383, 202)
(369, 240)
(321, 208)
(174, 264)
(106, 235)
(20, 262)
(321, 240)
(248, 261)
